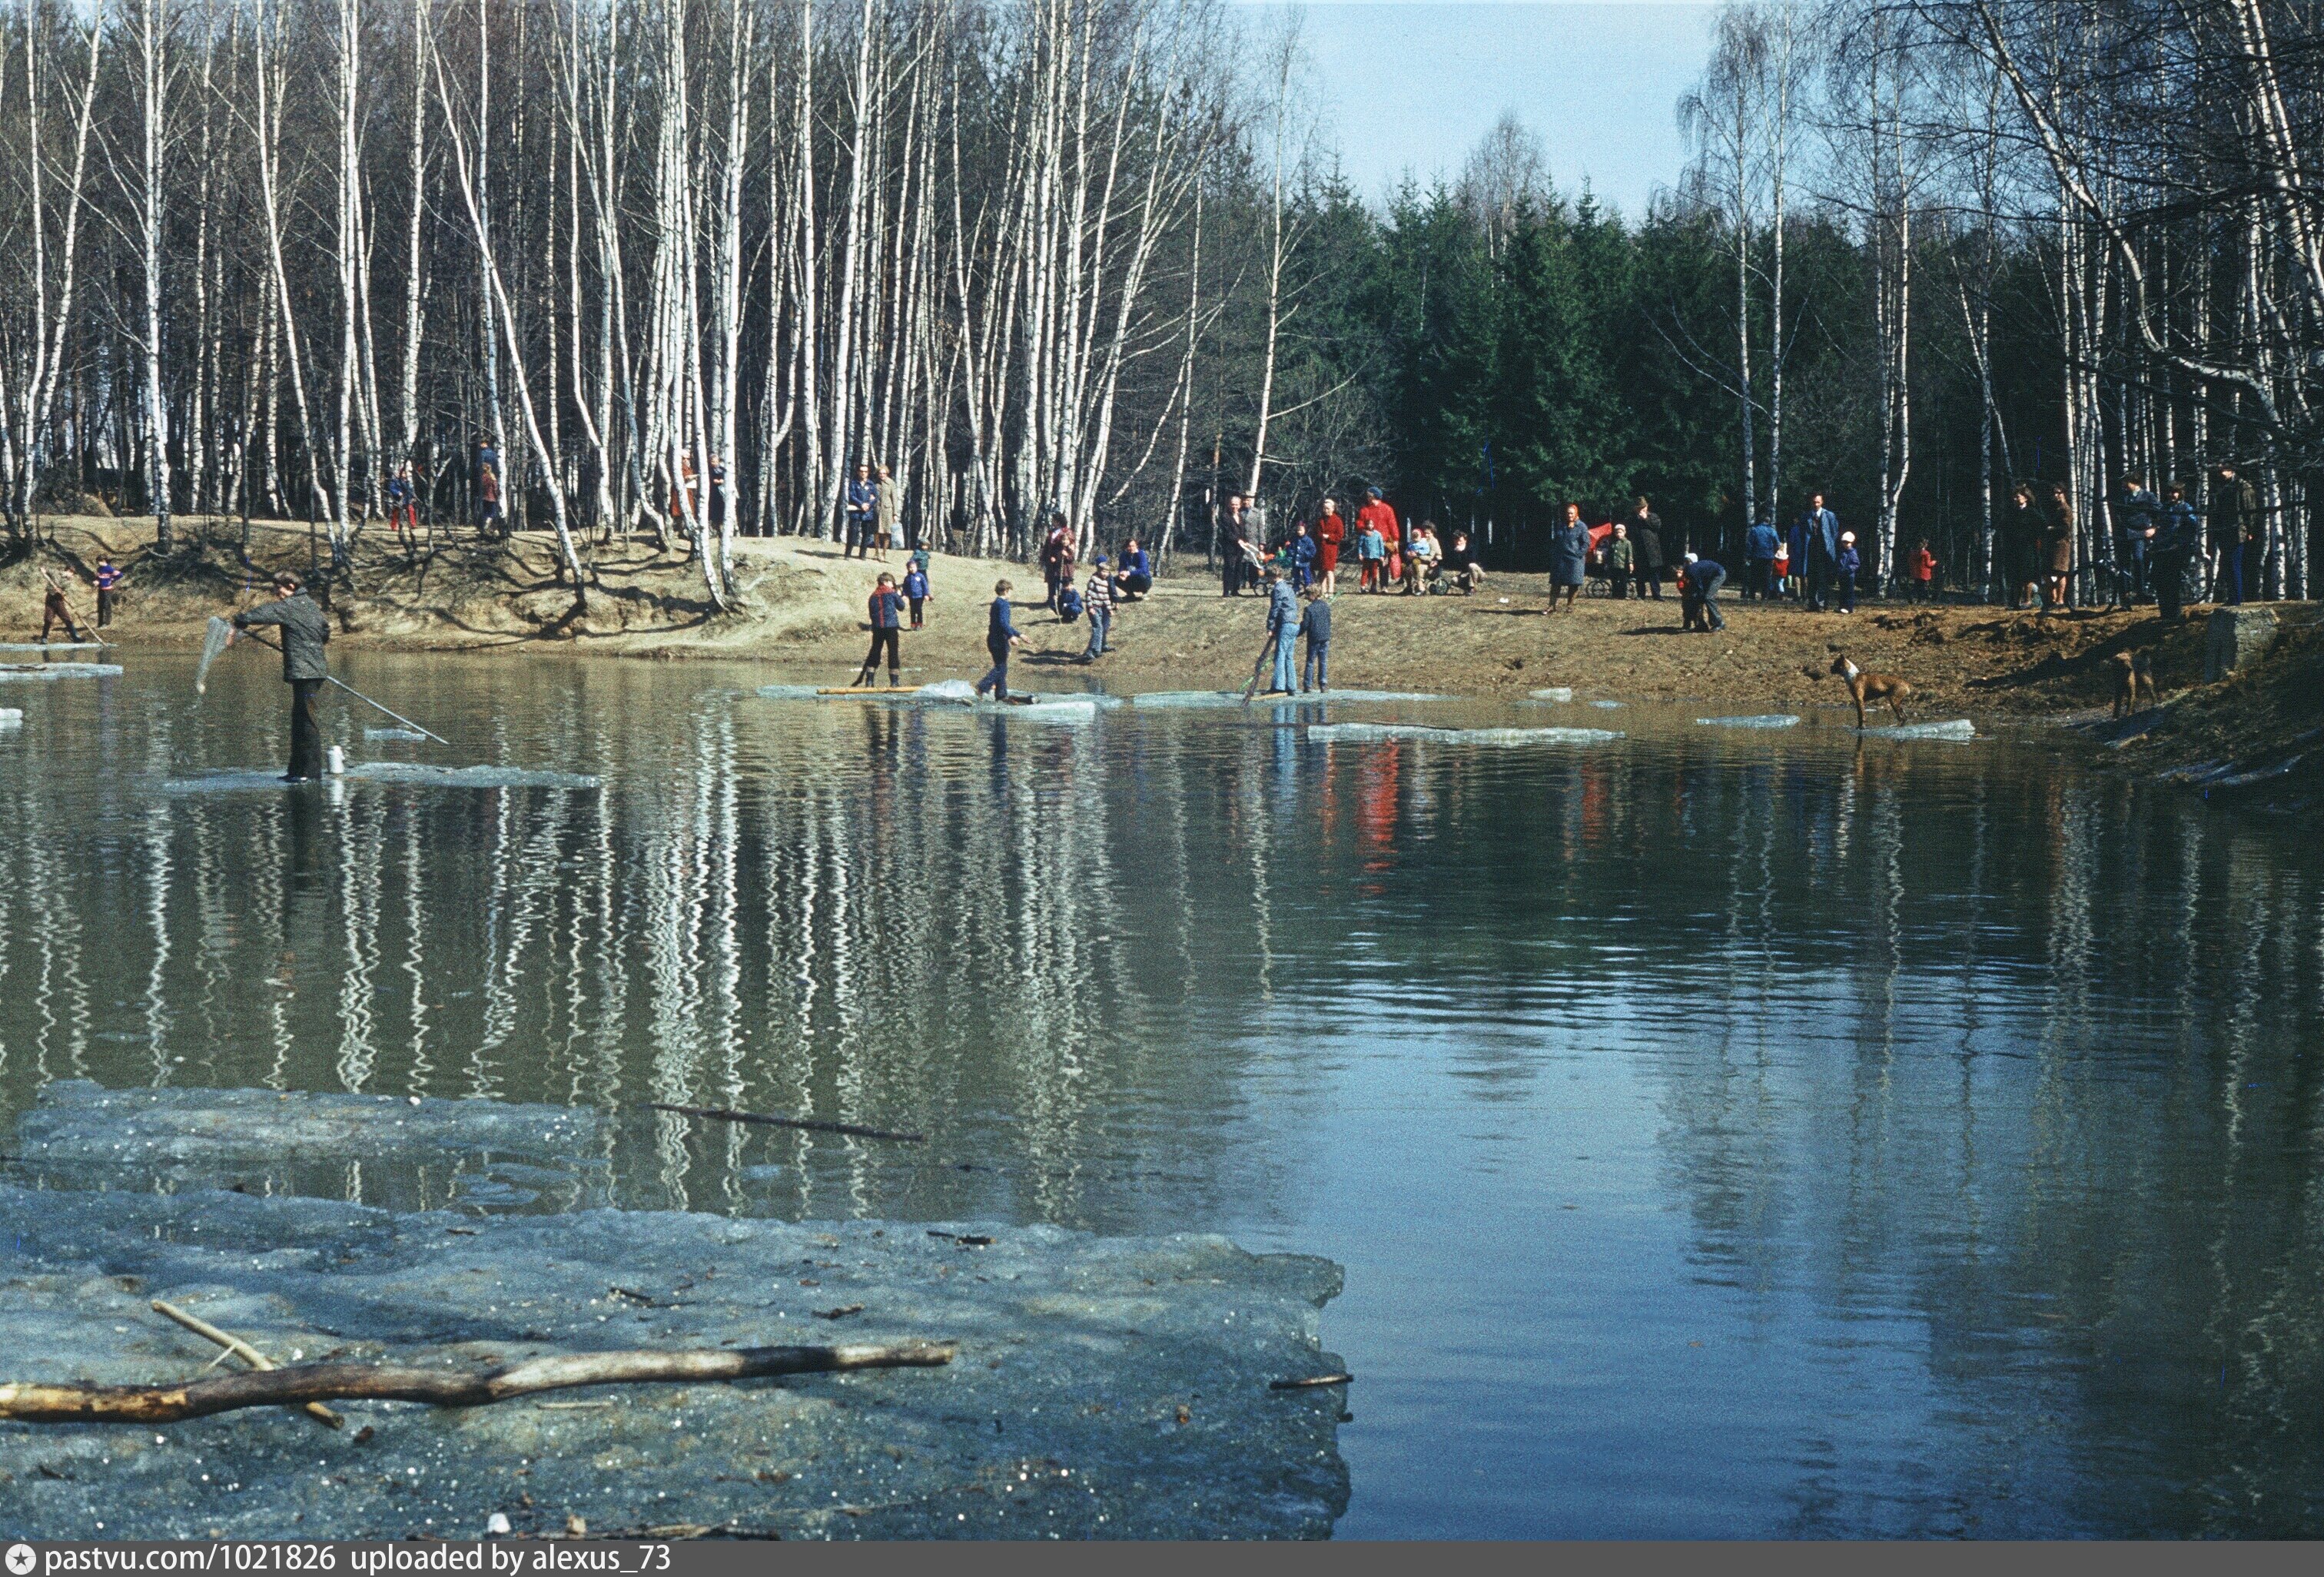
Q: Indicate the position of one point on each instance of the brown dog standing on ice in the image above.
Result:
(1863, 686)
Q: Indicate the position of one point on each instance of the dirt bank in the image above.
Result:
(801, 604)
(2256, 740)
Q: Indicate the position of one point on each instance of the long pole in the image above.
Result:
(350, 689)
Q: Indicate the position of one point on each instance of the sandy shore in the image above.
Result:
(801, 604)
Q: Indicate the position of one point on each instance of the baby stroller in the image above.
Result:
(1596, 581)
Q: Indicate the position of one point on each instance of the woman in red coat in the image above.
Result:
(1331, 530)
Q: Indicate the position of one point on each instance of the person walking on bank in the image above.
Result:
(1759, 545)
(863, 503)
(1823, 535)
(488, 493)
(1569, 559)
(1000, 636)
(1645, 528)
(108, 583)
(1097, 602)
(2177, 540)
(2235, 531)
(1330, 535)
(887, 607)
(1845, 569)
(401, 515)
(1316, 625)
(305, 632)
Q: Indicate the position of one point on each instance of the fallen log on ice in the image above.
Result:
(34, 1403)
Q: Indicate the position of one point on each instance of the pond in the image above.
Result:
(1727, 1131)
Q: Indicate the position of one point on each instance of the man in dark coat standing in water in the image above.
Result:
(305, 631)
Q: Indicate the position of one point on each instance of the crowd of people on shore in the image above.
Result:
(1813, 562)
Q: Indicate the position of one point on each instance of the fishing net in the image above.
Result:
(214, 640)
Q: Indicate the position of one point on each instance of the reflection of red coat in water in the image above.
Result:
(1330, 532)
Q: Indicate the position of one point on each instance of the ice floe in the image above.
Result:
(1345, 732)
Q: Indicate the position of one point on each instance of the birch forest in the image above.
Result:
(680, 264)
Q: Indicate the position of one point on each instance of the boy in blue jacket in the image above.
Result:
(915, 587)
(1000, 636)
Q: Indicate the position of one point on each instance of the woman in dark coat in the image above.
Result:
(1569, 559)
(2017, 547)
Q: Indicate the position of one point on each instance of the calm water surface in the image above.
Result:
(1724, 1133)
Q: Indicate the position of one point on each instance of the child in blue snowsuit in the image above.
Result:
(915, 588)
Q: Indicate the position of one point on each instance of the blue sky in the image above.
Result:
(1410, 85)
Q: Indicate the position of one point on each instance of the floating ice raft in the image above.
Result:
(1767, 720)
(1959, 728)
(11, 717)
(1066, 711)
(29, 671)
(1187, 700)
(1347, 733)
(425, 775)
(1553, 695)
(9, 646)
(411, 733)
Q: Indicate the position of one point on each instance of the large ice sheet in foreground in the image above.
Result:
(1103, 1387)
